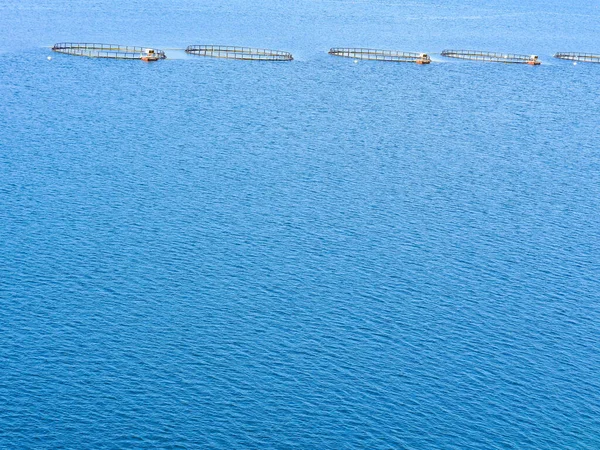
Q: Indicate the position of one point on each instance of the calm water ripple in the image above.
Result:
(321, 254)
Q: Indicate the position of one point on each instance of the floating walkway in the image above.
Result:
(243, 53)
(113, 51)
(581, 57)
(381, 55)
(508, 58)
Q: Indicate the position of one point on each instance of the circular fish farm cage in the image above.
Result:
(508, 58)
(381, 55)
(242, 53)
(113, 51)
(579, 57)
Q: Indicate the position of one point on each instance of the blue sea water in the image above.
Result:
(203, 253)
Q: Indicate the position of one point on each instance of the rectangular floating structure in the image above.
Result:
(373, 54)
(581, 57)
(113, 51)
(242, 53)
(508, 58)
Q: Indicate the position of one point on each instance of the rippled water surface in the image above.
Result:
(316, 254)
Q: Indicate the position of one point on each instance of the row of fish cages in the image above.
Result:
(116, 51)
(471, 55)
(423, 58)
(511, 58)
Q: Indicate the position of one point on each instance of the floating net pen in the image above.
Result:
(242, 53)
(580, 57)
(476, 55)
(113, 51)
(373, 54)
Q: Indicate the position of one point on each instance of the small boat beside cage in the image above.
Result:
(149, 55)
(507, 58)
(241, 53)
(373, 54)
(112, 51)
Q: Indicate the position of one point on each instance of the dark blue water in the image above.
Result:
(320, 254)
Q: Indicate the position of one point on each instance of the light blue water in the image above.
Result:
(320, 254)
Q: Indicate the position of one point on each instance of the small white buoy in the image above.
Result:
(49, 58)
(356, 61)
(574, 63)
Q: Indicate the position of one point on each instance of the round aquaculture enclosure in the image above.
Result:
(580, 57)
(475, 55)
(244, 53)
(381, 55)
(113, 51)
